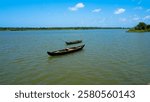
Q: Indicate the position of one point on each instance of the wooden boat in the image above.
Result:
(73, 42)
(66, 51)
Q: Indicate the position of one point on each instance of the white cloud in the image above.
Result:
(77, 6)
(119, 11)
(136, 18)
(138, 8)
(96, 10)
(147, 17)
(148, 10)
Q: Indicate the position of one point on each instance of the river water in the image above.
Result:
(110, 57)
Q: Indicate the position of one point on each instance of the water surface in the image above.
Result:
(109, 57)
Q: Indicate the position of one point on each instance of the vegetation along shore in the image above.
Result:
(55, 28)
(141, 27)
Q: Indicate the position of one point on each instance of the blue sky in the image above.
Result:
(73, 13)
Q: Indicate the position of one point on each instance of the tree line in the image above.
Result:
(141, 27)
(54, 28)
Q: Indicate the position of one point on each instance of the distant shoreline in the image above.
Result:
(139, 31)
(55, 28)
(141, 27)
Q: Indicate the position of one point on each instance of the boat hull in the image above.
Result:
(73, 42)
(65, 51)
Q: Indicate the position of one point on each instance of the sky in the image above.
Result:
(73, 13)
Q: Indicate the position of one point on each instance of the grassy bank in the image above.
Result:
(134, 30)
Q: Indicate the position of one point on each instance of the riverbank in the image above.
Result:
(55, 28)
(141, 27)
(134, 30)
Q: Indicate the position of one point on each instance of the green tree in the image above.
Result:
(141, 26)
(148, 26)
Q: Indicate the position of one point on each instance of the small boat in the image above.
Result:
(66, 51)
(73, 42)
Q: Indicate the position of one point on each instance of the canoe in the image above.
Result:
(73, 42)
(65, 51)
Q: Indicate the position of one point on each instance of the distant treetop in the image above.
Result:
(141, 27)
